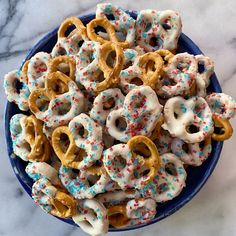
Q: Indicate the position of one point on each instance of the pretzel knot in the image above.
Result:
(180, 73)
(158, 29)
(222, 105)
(53, 201)
(54, 108)
(134, 212)
(105, 23)
(169, 181)
(69, 61)
(111, 74)
(92, 70)
(151, 64)
(78, 151)
(140, 113)
(69, 44)
(152, 162)
(104, 103)
(225, 127)
(123, 23)
(192, 153)
(84, 184)
(67, 153)
(29, 142)
(33, 134)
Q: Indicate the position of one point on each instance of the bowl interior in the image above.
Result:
(197, 176)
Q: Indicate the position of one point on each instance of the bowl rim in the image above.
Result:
(218, 146)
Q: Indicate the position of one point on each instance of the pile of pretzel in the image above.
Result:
(114, 118)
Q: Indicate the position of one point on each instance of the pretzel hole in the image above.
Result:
(137, 81)
(162, 188)
(82, 132)
(98, 163)
(42, 102)
(182, 66)
(111, 59)
(150, 66)
(156, 42)
(142, 150)
(170, 169)
(64, 68)
(80, 43)
(168, 81)
(192, 129)
(127, 64)
(59, 206)
(201, 67)
(148, 25)
(118, 163)
(26, 146)
(92, 179)
(18, 85)
(61, 51)
(166, 26)
(219, 130)
(75, 171)
(202, 144)
(100, 77)
(88, 224)
(185, 147)
(64, 142)
(39, 68)
(59, 87)
(110, 17)
(101, 31)
(176, 115)
(164, 60)
(70, 31)
(121, 35)
(109, 104)
(80, 154)
(141, 171)
(63, 109)
(121, 124)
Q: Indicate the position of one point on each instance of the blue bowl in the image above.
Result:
(197, 176)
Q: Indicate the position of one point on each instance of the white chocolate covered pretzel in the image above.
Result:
(181, 115)
(18, 95)
(92, 217)
(158, 29)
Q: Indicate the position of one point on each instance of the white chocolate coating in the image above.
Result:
(92, 217)
(180, 113)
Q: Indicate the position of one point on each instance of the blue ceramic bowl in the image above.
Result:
(197, 176)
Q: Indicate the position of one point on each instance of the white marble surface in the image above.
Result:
(211, 24)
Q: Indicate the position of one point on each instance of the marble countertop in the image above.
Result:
(211, 25)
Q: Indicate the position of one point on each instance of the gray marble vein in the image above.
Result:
(211, 24)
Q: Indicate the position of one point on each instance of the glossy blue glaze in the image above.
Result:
(197, 176)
